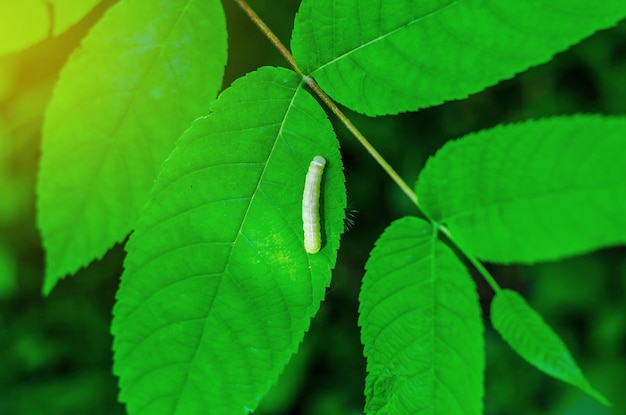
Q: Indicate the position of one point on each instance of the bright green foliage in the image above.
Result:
(66, 13)
(143, 74)
(383, 57)
(534, 191)
(534, 340)
(26, 22)
(421, 326)
(218, 290)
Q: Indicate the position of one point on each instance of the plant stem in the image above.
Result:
(361, 138)
(269, 34)
(329, 103)
(472, 259)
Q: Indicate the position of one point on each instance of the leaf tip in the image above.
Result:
(597, 396)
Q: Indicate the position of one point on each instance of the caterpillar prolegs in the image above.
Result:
(310, 206)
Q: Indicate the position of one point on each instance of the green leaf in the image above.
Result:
(218, 290)
(535, 191)
(26, 22)
(142, 75)
(384, 57)
(527, 333)
(421, 326)
(66, 13)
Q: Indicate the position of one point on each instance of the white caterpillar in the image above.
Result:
(310, 206)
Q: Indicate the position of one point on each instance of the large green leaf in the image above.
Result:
(218, 289)
(381, 57)
(142, 75)
(534, 340)
(421, 326)
(534, 191)
(26, 22)
(66, 13)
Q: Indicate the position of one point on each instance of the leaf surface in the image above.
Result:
(530, 336)
(26, 22)
(534, 191)
(218, 290)
(421, 326)
(142, 75)
(388, 56)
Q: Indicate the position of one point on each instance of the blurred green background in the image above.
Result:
(55, 355)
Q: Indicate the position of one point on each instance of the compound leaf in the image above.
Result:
(421, 326)
(218, 290)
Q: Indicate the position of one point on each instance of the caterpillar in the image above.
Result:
(310, 206)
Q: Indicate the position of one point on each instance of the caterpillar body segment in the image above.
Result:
(310, 206)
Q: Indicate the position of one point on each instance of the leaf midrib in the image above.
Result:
(384, 36)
